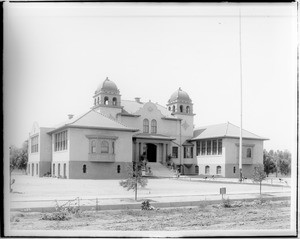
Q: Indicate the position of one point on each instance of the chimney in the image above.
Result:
(138, 99)
(70, 116)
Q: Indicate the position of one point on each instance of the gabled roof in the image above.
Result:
(223, 130)
(94, 119)
(130, 107)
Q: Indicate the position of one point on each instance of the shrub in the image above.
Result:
(146, 205)
(226, 203)
(56, 216)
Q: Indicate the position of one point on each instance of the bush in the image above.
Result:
(56, 216)
(62, 213)
(226, 203)
(146, 205)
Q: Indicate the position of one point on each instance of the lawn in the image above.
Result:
(245, 215)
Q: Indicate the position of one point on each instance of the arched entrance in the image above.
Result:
(151, 152)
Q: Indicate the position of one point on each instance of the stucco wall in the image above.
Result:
(232, 150)
(79, 144)
(95, 170)
(45, 145)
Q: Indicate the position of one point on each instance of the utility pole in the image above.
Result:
(241, 80)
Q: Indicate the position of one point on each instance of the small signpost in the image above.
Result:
(222, 191)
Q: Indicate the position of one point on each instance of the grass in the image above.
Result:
(240, 215)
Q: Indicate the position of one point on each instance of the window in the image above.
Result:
(203, 147)
(104, 147)
(53, 169)
(98, 100)
(106, 100)
(181, 108)
(169, 108)
(198, 148)
(214, 150)
(187, 109)
(37, 169)
(209, 147)
(146, 126)
(95, 101)
(114, 101)
(233, 169)
(84, 168)
(173, 108)
(93, 146)
(206, 169)
(220, 146)
(248, 152)
(28, 168)
(32, 169)
(175, 152)
(35, 144)
(58, 170)
(153, 126)
(196, 169)
(187, 152)
(218, 171)
(61, 141)
(118, 169)
(65, 170)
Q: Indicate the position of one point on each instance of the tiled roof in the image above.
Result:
(93, 119)
(223, 130)
(131, 107)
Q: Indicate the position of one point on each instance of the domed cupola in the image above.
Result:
(107, 86)
(180, 102)
(107, 94)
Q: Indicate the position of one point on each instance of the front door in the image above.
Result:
(151, 152)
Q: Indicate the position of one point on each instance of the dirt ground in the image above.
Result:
(256, 215)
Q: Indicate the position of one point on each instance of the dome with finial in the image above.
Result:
(107, 86)
(180, 96)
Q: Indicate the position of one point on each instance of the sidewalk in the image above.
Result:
(129, 203)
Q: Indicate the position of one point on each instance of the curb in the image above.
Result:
(154, 204)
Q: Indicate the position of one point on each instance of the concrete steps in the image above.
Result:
(159, 170)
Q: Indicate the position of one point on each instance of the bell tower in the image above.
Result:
(107, 99)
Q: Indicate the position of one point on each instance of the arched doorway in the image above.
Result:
(151, 152)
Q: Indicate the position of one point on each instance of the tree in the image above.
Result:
(134, 179)
(259, 175)
(284, 167)
(269, 164)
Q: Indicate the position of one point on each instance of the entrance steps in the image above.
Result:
(159, 170)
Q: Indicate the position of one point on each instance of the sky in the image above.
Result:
(56, 55)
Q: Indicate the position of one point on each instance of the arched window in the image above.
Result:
(37, 169)
(233, 169)
(173, 108)
(98, 100)
(93, 146)
(114, 101)
(181, 108)
(169, 108)
(95, 101)
(206, 169)
(146, 126)
(248, 153)
(84, 168)
(58, 170)
(104, 147)
(196, 169)
(187, 109)
(53, 169)
(153, 126)
(218, 170)
(65, 170)
(106, 100)
(119, 169)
